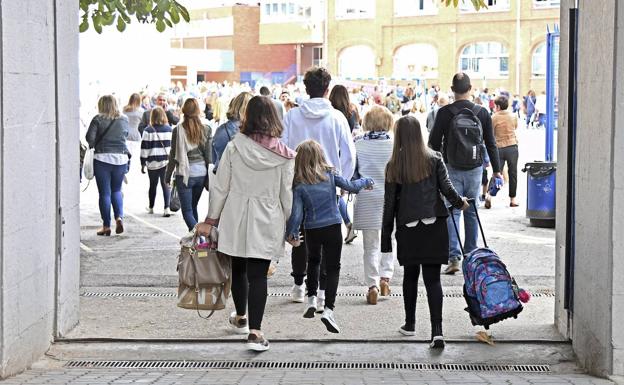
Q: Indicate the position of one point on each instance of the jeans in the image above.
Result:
(299, 261)
(109, 178)
(249, 288)
(376, 264)
(342, 207)
(467, 183)
(154, 177)
(189, 198)
(328, 240)
(431, 276)
(509, 154)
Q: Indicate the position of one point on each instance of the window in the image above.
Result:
(415, 61)
(317, 56)
(538, 61)
(355, 9)
(286, 11)
(357, 61)
(485, 60)
(404, 8)
(492, 6)
(546, 3)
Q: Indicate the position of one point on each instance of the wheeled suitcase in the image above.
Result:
(491, 293)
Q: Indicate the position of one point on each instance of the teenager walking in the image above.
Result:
(250, 201)
(314, 204)
(155, 146)
(415, 177)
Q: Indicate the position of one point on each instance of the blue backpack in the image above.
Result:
(489, 290)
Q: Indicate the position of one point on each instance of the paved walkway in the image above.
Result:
(274, 377)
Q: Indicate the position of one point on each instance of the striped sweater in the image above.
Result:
(155, 146)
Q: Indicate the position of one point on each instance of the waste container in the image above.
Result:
(541, 193)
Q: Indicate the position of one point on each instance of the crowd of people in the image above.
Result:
(283, 160)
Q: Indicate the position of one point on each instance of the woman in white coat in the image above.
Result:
(250, 202)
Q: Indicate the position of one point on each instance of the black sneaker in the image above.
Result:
(257, 343)
(437, 342)
(407, 330)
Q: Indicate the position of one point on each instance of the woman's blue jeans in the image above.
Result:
(109, 178)
(189, 198)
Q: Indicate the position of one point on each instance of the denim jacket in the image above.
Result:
(222, 137)
(316, 205)
(114, 142)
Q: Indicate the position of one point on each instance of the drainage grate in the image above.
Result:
(305, 365)
(449, 294)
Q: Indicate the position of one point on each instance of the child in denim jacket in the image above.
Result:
(314, 203)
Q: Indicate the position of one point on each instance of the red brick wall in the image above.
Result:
(249, 55)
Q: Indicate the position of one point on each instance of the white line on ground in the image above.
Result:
(522, 237)
(86, 248)
(153, 226)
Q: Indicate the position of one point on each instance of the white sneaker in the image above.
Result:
(320, 304)
(297, 293)
(310, 307)
(149, 210)
(330, 322)
(166, 213)
(239, 326)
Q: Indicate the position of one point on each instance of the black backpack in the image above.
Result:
(464, 141)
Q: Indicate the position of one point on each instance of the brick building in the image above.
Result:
(223, 43)
(502, 46)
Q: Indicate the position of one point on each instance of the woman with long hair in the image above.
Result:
(339, 98)
(250, 201)
(190, 157)
(225, 132)
(415, 177)
(134, 112)
(107, 133)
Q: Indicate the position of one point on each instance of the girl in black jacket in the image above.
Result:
(415, 177)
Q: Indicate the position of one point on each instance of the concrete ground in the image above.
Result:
(128, 312)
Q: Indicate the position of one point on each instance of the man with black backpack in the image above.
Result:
(462, 131)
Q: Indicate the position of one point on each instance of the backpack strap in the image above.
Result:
(454, 109)
(476, 109)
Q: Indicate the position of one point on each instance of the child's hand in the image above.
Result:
(294, 242)
(369, 184)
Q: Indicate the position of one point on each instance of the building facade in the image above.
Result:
(501, 46)
(223, 43)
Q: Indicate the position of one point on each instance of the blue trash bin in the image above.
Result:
(541, 193)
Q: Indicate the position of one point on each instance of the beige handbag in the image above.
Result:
(205, 276)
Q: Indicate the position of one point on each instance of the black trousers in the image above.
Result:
(509, 154)
(154, 177)
(431, 276)
(324, 247)
(249, 288)
(299, 261)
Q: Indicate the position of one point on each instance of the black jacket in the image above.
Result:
(406, 203)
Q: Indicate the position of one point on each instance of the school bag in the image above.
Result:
(491, 293)
(464, 142)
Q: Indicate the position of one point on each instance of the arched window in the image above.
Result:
(357, 61)
(485, 60)
(416, 60)
(538, 61)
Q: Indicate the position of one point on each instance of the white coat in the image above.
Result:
(252, 197)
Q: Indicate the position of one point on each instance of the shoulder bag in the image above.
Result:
(87, 167)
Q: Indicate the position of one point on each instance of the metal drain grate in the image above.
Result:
(450, 294)
(305, 365)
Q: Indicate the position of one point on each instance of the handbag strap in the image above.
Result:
(194, 241)
(97, 141)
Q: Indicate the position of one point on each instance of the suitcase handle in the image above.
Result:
(472, 202)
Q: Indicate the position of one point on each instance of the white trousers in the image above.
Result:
(376, 263)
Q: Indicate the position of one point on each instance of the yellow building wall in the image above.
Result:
(449, 31)
(291, 33)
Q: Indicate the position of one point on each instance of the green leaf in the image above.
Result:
(160, 25)
(175, 15)
(84, 26)
(121, 24)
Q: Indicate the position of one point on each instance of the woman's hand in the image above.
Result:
(466, 205)
(203, 229)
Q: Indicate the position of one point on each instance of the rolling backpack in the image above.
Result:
(464, 141)
(490, 291)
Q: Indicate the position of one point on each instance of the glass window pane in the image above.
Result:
(504, 64)
(480, 48)
(284, 8)
(469, 50)
(275, 7)
(267, 9)
(291, 8)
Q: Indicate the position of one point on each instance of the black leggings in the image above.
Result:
(324, 246)
(431, 276)
(249, 288)
(154, 177)
(299, 261)
(510, 154)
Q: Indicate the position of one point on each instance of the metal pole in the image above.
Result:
(518, 43)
